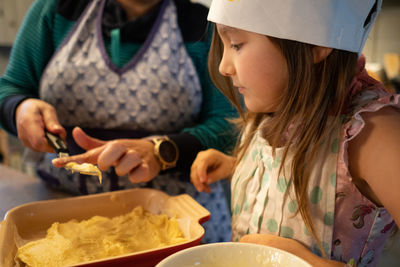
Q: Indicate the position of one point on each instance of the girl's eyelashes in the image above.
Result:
(236, 46)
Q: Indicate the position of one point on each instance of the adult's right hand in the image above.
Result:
(32, 117)
(210, 166)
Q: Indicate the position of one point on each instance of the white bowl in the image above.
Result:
(232, 254)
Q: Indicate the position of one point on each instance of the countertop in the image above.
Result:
(17, 188)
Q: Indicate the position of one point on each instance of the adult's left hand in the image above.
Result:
(134, 157)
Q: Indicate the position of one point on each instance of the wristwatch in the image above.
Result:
(166, 152)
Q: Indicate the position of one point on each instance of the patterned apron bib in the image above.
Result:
(263, 202)
(157, 92)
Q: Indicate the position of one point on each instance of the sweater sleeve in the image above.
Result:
(30, 53)
(213, 130)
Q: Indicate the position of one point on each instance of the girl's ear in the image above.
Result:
(320, 53)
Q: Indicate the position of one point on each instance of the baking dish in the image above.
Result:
(30, 221)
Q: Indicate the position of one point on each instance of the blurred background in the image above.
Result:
(382, 51)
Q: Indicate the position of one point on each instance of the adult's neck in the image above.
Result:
(137, 8)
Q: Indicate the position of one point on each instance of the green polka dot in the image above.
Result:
(293, 206)
(276, 163)
(265, 179)
(317, 251)
(281, 186)
(248, 231)
(269, 163)
(254, 154)
(236, 210)
(306, 232)
(245, 205)
(245, 156)
(272, 225)
(335, 146)
(328, 218)
(326, 247)
(333, 179)
(316, 195)
(286, 232)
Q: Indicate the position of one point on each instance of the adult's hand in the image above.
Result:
(32, 117)
(210, 166)
(134, 157)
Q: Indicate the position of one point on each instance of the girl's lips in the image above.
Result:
(241, 89)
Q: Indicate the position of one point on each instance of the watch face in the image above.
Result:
(167, 151)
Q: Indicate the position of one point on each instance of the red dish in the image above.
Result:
(30, 221)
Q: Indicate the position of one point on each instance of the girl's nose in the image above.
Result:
(225, 67)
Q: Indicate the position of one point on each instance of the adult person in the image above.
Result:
(119, 69)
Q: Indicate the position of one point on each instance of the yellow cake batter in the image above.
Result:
(101, 237)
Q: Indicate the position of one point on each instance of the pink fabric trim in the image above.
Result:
(360, 227)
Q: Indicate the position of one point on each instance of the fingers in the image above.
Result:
(209, 167)
(128, 163)
(198, 173)
(51, 122)
(127, 156)
(201, 183)
(112, 155)
(32, 117)
(90, 156)
(142, 173)
(85, 141)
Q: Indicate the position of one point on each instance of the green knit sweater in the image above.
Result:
(41, 33)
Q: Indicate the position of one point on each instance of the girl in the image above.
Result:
(316, 171)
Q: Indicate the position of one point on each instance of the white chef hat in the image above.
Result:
(340, 24)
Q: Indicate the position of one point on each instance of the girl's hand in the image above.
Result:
(134, 157)
(210, 166)
(32, 117)
(291, 246)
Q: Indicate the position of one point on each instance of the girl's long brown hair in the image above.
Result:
(314, 93)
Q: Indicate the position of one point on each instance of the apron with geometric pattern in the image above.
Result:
(157, 92)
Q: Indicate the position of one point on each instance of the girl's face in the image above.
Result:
(256, 66)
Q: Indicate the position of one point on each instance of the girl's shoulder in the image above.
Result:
(367, 174)
(373, 151)
(367, 104)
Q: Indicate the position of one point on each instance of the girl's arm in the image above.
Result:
(374, 157)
